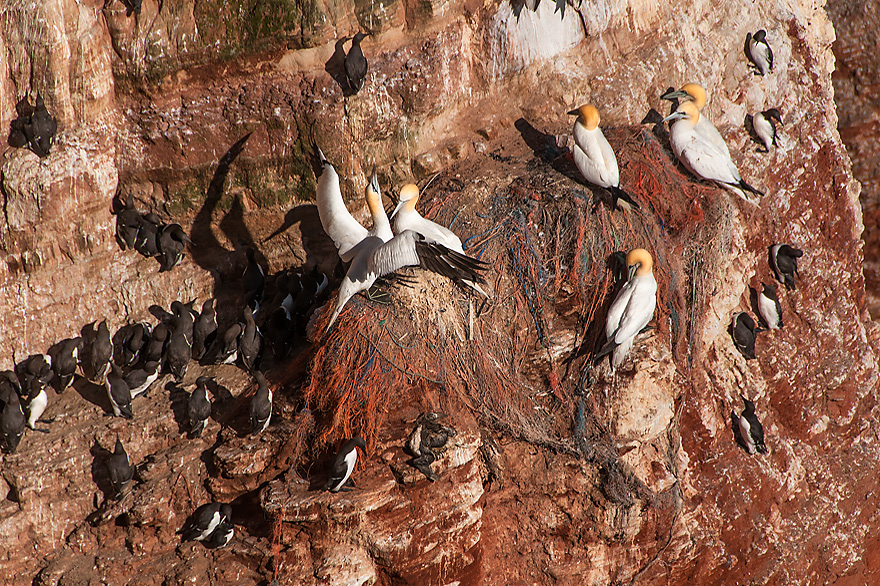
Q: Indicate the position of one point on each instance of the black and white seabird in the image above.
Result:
(9, 384)
(769, 308)
(172, 242)
(147, 242)
(119, 468)
(751, 430)
(783, 261)
(222, 534)
(17, 139)
(253, 280)
(428, 437)
(309, 291)
(118, 392)
(560, 7)
(250, 343)
(204, 330)
(35, 372)
(184, 317)
(743, 331)
(311, 286)
(205, 520)
(356, 64)
(34, 128)
(100, 352)
(280, 328)
(128, 223)
(764, 125)
(199, 407)
(759, 52)
(41, 130)
(178, 351)
(132, 339)
(344, 463)
(132, 6)
(261, 405)
(36, 402)
(12, 423)
(65, 361)
(155, 349)
(228, 352)
(632, 309)
(139, 380)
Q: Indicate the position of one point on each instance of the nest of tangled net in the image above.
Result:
(551, 245)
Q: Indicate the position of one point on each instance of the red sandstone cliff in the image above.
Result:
(560, 473)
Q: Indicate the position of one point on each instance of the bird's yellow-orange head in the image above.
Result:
(373, 195)
(691, 109)
(642, 258)
(587, 115)
(409, 193)
(697, 94)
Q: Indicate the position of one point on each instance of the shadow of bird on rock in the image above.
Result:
(335, 66)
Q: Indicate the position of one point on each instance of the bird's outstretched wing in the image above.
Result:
(338, 223)
(412, 249)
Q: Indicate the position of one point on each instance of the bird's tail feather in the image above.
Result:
(617, 193)
(743, 185)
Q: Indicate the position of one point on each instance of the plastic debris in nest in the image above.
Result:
(427, 342)
(553, 255)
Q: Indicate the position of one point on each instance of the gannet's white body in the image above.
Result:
(633, 308)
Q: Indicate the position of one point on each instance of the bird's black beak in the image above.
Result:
(632, 271)
(676, 94)
(573, 112)
(675, 116)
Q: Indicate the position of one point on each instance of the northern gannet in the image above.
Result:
(593, 155)
(633, 307)
(378, 252)
(406, 218)
(695, 93)
(700, 154)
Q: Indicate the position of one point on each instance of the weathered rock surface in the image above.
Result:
(857, 92)
(636, 477)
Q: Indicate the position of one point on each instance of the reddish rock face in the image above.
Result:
(857, 91)
(561, 472)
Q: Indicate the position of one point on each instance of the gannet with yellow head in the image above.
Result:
(406, 217)
(633, 308)
(379, 252)
(695, 93)
(700, 155)
(593, 155)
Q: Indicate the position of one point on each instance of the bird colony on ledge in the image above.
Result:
(131, 362)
